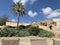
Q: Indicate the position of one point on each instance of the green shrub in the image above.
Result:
(12, 32)
(21, 27)
(9, 32)
(23, 32)
(3, 33)
(45, 33)
(34, 30)
(28, 26)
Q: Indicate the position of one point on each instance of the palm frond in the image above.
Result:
(18, 7)
(23, 10)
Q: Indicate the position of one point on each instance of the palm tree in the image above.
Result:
(19, 9)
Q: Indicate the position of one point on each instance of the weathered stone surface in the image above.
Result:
(24, 41)
(56, 42)
(49, 42)
(38, 42)
(10, 42)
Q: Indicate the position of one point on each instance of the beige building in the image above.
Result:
(57, 20)
(57, 23)
(14, 24)
(46, 24)
(43, 24)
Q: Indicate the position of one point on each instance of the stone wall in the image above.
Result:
(14, 24)
(29, 41)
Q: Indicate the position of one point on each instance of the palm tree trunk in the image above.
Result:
(18, 20)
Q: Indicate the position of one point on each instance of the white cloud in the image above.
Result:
(32, 1)
(47, 10)
(13, 20)
(54, 14)
(50, 13)
(25, 1)
(22, 1)
(15, 1)
(32, 14)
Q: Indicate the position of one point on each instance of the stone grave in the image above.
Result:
(56, 42)
(38, 42)
(10, 42)
(24, 41)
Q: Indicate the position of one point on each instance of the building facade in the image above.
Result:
(46, 24)
(57, 23)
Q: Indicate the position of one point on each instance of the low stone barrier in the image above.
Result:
(56, 41)
(24, 41)
(29, 41)
(9, 41)
(38, 41)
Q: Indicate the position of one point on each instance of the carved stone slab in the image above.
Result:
(56, 42)
(10, 42)
(24, 41)
(38, 42)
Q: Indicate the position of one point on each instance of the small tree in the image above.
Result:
(19, 9)
(3, 19)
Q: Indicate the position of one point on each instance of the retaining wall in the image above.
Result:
(29, 41)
